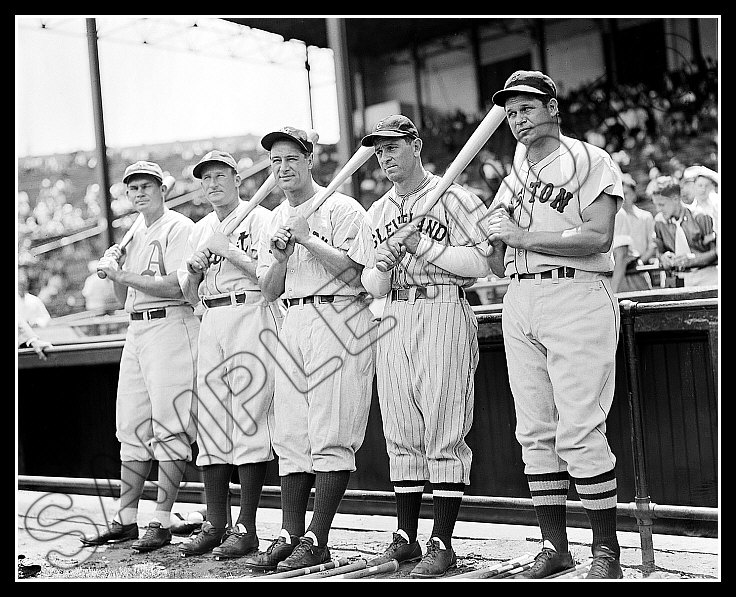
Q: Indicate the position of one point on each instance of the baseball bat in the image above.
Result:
(340, 562)
(501, 567)
(268, 185)
(359, 158)
(472, 146)
(356, 565)
(169, 182)
(572, 572)
(390, 566)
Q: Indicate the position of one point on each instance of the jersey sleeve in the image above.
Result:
(347, 221)
(601, 177)
(176, 243)
(362, 249)
(464, 212)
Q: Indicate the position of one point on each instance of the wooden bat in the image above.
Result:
(359, 158)
(352, 566)
(309, 570)
(496, 569)
(472, 146)
(268, 185)
(575, 572)
(169, 184)
(390, 566)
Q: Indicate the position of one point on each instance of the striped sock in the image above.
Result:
(329, 487)
(251, 477)
(598, 495)
(295, 490)
(447, 498)
(408, 504)
(549, 496)
(216, 479)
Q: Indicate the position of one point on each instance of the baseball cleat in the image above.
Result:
(548, 562)
(203, 542)
(117, 533)
(400, 550)
(605, 564)
(436, 562)
(278, 551)
(156, 536)
(305, 554)
(236, 543)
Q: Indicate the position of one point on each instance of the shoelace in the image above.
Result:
(274, 544)
(305, 545)
(232, 535)
(542, 558)
(432, 550)
(150, 532)
(396, 543)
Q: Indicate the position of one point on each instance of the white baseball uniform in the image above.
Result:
(427, 349)
(235, 368)
(561, 327)
(156, 383)
(324, 361)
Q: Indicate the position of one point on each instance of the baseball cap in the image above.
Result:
(693, 172)
(143, 167)
(525, 81)
(289, 133)
(214, 156)
(396, 125)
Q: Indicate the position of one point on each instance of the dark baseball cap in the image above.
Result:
(288, 133)
(215, 156)
(525, 81)
(143, 167)
(396, 125)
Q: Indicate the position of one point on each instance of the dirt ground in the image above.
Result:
(50, 525)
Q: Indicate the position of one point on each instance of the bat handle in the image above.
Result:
(101, 275)
(381, 267)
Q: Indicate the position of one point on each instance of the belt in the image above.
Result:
(150, 314)
(234, 298)
(317, 298)
(562, 272)
(404, 294)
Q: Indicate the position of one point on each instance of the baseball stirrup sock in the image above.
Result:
(216, 479)
(251, 476)
(549, 497)
(328, 491)
(599, 496)
(446, 498)
(408, 504)
(295, 490)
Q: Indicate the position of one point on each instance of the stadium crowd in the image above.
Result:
(649, 134)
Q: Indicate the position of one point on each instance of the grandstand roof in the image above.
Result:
(373, 36)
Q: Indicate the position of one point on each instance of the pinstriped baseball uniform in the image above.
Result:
(235, 370)
(561, 333)
(158, 365)
(427, 349)
(324, 361)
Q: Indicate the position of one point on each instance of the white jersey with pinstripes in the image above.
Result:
(451, 221)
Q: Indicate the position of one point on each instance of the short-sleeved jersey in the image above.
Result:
(551, 196)
(635, 229)
(156, 250)
(453, 220)
(222, 276)
(337, 222)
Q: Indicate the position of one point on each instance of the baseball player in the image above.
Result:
(157, 376)
(234, 367)
(551, 229)
(324, 372)
(427, 348)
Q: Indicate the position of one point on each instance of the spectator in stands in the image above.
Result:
(99, 293)
(685, 239)
(704, 193)
(633, 242)
(27, 337)
(31, 308)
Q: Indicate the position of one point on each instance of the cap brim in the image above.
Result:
(368, 140)
(268, 141)
(146, 172)
(499, 98)
(198, 168)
